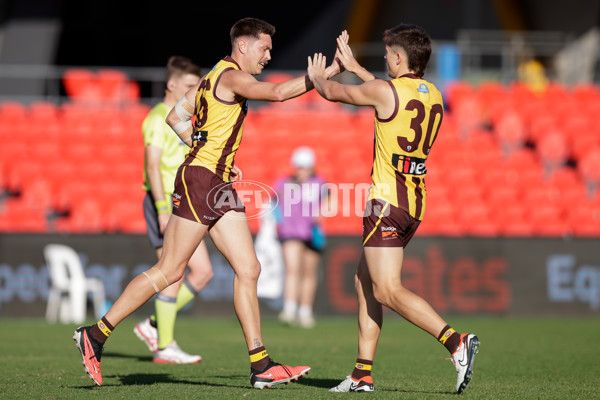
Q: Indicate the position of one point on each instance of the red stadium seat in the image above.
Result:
(23, 217)
(589, 167)
(490, 91)
(477, 220)
(13, 111)
(44, 111)
(456, 92)
(468, 112)
(499, 196)
(555, 92)
(547, 219)
(441, 218)
(112, 84)
(80, 84)
(583, 218)
(510, 131)
(466, 194)
(87, 216)
(552, 149)
(586, 93)
(515, 227)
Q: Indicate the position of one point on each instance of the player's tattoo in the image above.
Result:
(257, 343)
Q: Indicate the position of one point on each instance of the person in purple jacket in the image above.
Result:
(299, 228)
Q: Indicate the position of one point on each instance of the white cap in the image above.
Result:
(303, 157)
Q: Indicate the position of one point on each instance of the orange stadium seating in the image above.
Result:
(507, 162)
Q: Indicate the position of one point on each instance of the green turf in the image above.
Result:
(518, 359)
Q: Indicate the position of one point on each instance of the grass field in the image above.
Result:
(518, 359)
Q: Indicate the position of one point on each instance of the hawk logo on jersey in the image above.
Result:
(409, 165)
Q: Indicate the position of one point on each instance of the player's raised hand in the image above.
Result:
(344, 53)
(347, 60)
(316, 66)
(336, 58)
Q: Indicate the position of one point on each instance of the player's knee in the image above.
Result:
(200, 278)
(250, 272)
(173, 274)
(384, 293)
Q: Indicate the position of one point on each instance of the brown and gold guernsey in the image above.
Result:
(219, 123)
(403, 142)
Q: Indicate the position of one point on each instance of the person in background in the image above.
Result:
(408, 115)
(300, 231)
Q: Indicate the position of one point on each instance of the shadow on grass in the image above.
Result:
(131, 356)
(319, 383)
(139, 379)
(329, 383)
(151, 379)
(428, 392)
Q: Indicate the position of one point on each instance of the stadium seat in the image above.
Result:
(581, 144)
(13, 111)
(363, 122)
(441, 218)
(521, 227)
(44, 111)
(86, 216)
(129, 212)
(457, 91)
(23, 217)
(133, 92)
(499, 196)
(349, 225)
(586, 93)
(112, 84)
(466, 194)
(482, 141)
(80, 84)
(540, 125)
(555, 92)
(547, 219)
(510, 131)
(583, 218)
(489, 92)
(589, 168)
(552, 149)
(475, 219)
(468, 115)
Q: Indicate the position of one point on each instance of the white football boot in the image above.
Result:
(172, 354)
(463, 359)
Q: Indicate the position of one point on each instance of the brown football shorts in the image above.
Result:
(385, 225)
(202, 196)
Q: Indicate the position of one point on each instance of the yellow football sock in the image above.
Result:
(166, 313)
(185, 294)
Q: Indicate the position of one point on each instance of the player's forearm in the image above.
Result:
(363, 74)
(293, 88)
(324, 87)
(298, 86)
(155, 182)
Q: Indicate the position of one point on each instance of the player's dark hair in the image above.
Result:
(178, 65)
(415, 41)
(250, 27)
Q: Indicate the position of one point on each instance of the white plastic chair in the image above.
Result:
(67, 298)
